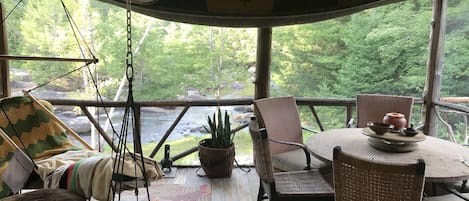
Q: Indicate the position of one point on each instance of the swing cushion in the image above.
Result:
(41, 136)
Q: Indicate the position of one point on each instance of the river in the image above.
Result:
(156, 122)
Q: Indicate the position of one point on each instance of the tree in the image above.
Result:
(386, 51)
(49, 35)
(456, 58)
(306, 56)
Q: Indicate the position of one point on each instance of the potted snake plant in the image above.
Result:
(216, 154)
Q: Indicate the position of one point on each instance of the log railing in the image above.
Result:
(449, 106)
(347, 103)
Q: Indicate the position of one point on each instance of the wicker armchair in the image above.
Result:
(365, 180)
(295, 185)
(373, 107)
(279, 115)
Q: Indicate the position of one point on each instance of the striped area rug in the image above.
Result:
(171, 192)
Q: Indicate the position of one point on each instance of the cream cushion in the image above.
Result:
(294, 160)
(448, 197)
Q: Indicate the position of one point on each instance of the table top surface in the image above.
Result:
(442, 157)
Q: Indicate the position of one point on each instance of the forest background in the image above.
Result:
(382, 50)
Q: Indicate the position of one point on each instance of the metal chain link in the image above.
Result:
(129, 60)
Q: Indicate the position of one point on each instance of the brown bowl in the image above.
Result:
(410, 132)
(380, 128)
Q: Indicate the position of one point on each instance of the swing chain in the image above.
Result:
(129, 60)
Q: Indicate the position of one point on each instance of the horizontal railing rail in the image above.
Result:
(348, 103)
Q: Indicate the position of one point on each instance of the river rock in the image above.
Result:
(237, 85)
(80, 124)
(48, 94)
(243, 108)
(199, 129)
(20, 75)
(17, 84)
(68, 114)
(242, 118)
(59, 108)
(195, 95)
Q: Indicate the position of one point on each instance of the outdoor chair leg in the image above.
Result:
(463, 185)
(260, 194)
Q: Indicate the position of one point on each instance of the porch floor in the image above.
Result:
(241, 186)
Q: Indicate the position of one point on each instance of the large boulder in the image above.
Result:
(18, 84)
(79, 124)
(237, 85)
(20, 75)
(195, 95)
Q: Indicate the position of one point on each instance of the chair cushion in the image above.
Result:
(294, 160)
(297, 184)
(448, 197)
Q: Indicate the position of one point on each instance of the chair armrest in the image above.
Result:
(310, 130)
(302, 146)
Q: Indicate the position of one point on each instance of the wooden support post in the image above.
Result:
(348, 116)
(4, 68)
(434, 67)
(137, 132)
(316, 117)
(263, 60)
(264, 46)
(168, 132)
(98, 127)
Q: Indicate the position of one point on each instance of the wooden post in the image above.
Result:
(4, 68)
(348, 115)
(137, 130)
(434, 67)
(264, 45)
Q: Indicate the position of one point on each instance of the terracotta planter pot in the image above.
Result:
(216, 162)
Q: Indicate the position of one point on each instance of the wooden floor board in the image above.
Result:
(253, 179)
(245, 187)
(241, 186)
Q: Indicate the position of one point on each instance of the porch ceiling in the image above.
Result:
(249, 13)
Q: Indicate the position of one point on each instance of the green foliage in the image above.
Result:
(48, 34)
(380, 50)
(386, 51)
(294, 69)
(169, 57)
(219, 127)
(456, 71)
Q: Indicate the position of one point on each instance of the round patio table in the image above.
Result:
(443, 159)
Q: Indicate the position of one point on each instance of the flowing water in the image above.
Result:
(155, 123)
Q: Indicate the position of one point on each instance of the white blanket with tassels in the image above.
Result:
(89, 173)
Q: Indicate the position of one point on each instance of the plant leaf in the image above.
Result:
(219, 126)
